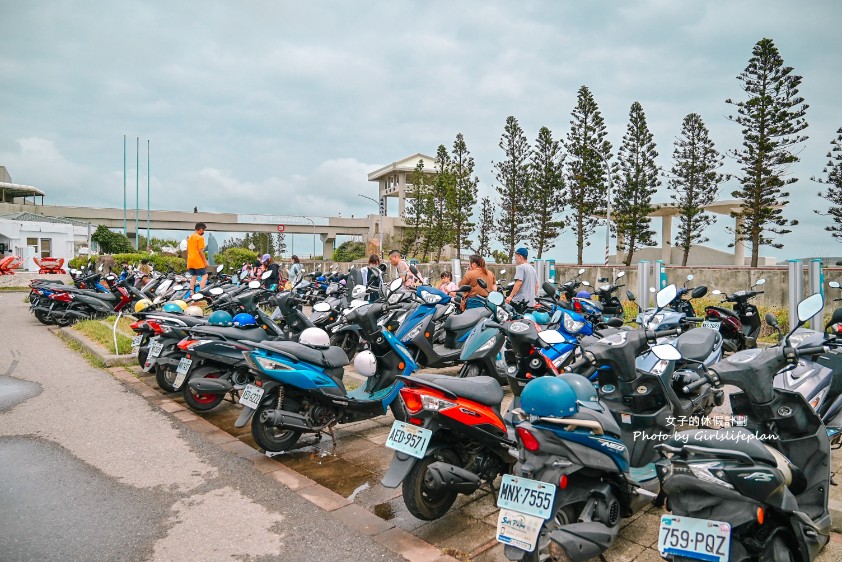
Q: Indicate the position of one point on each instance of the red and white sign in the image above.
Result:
(281, 228)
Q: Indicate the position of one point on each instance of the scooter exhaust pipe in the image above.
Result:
(210, 386)
(444, 476)
(585, 541)
(289, 420)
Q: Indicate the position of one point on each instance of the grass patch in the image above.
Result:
(124, 326)
(76, 346)
(100, 333)
(14, 289)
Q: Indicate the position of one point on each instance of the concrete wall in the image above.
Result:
(23, 278)
(699, 256)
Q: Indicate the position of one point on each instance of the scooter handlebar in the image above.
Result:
(812, 350)
(652, 335)
(687, 389)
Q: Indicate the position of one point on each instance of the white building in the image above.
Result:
(28, 236)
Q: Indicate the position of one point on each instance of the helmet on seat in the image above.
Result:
(539, 316)
(182, 304)
(194, 311)
(142, 305)
(244, 320)
(584, 390)
(550, 397)
(220, 318)
(173, 308)
(365, 363)
(583, 295)
(314, 337)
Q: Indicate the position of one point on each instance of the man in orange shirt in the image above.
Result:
(197, 263)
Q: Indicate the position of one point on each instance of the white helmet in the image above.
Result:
(365, 363)
(358, 292)
(314, 337)
(194, 311)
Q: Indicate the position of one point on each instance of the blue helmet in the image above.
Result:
(244, 320)
(172, 307)
(584, 390)
(583, 295)
(541, 317)
(219, 318)
(549, 397)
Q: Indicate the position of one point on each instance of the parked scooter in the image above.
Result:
(759, 490)
(611, 305)
(298, 386)
(740, 326)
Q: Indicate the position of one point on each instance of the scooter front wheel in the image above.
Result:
(422, 501)
(268, 437)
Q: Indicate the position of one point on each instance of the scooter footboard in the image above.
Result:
(584, 541)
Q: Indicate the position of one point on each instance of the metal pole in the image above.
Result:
(137, 194)
(796, 274)
(643, 284)
(608, 215)
(125, 229)
(148, 191)
(816, 283)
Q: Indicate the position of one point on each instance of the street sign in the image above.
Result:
(382, 206)
(281, 228)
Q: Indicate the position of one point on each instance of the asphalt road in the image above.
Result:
(90, 470)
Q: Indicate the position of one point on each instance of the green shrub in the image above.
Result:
(159, 261)
(234, 258)
(110, 241)
(349, 251)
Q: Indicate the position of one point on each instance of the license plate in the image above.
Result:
(155, 349)
(712, 324)
(136, 341)
(526, 496)
(700, 539)
(409, 439)
(251, 396)
(184, 366)
(518, 529)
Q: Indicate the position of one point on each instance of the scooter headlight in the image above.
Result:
(571, 325)
(486, 346)
(429, 297)
(502, 314)
(394, 297)
(411, 335)
(660, 367)
(435, 404)
(559, 361)
(710, 472)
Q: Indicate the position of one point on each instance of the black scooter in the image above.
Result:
(758, 490)
(741, 326)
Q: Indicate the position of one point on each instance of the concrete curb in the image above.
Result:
(95, 349)
(835, 509)
(340, 508)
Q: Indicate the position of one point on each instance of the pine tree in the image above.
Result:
(440, 230)
(547, 193)
(485, 228)
(513, 176)
(833, 169)
(587, 170)
(771, 119)
(464, 196)
(415, 211)
(637, 183)
(280, 243)
(694, 182)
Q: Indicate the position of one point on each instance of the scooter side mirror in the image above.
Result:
(219, 268)
(699, 292)
(482, 283)
(630, 296)
(716, 292)
(464, 289)
(585, 284)
(415, 271)
(216, 291)
(772, 321)
(690, 277)
(759, 282)
(254, 285)
(321, 307)
(581, 270)
(621, 274)
(835, 318)
(495, 298)
(666, 352)
(502, 272)
(395, 285)
(810, 306)
(549, 288)
(197, 296)
(666, 296)
(551, 337)
(266, 274)
(614, 322)
(834, 284)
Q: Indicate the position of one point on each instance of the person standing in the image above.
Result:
(526, 280)
(476, 271)
(397, 261)
(197, 263)
(372, 278)
(274, 268)
(294, 269)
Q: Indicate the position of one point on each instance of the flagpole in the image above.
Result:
(125, 230)
(148, 207)
(137, 194)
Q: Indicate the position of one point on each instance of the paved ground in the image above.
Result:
(89, 469)
(352, 465)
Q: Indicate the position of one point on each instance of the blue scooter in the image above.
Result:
(299, 389)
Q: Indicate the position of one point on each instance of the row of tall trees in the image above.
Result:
(260, 242)
(553, 185)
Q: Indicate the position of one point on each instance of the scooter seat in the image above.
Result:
(485, 390)
(251, 334)
(331, 357)
(184, 319)
(725, 311)
(465, 320)
(697, 345)
(89, 293)
(734, 439)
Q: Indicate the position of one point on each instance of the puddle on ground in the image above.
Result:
(16, 391)
(384, 511)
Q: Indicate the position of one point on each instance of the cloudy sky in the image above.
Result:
(284, 107)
